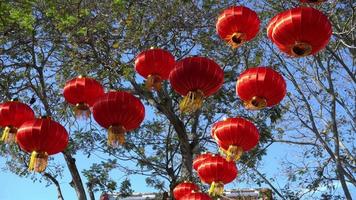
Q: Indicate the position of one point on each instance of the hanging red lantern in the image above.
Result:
(82, 92)
(200, 159)
(235, 136)
(237, 25)
(196, 196)
(217, 172)
(260, 87)
(184, 188)
(196, 78)
(155, 65)
(41, 137)
(12, 115)
(119, 112)
(300, 31)
(312, 1)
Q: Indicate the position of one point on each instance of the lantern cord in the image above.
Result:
(192, 101)
(82, 111)
(256, 103)
(236, 39)
(9, 135)
(38, 161)
(153, 82)
(234, 153)
(116, 136)
(216, 188)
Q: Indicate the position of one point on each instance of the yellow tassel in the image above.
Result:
(82, 111)
(192, 101)
(153, 82)
(116, 136)
(9, 135)
(38, 161)
(236, 40)
(234, 153)
(256, 103)
(216, 189)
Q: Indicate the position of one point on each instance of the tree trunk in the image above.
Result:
(76, 183)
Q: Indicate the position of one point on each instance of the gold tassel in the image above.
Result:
(38, 161)
(9, 135)
(256, 103)
(236, 40)
(192, 101)
(153, 82)
(216, 189)
(82, 111)
(116, 136)
(234, 153)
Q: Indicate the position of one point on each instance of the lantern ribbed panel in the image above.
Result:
(183, 189)
(14, 113)
(196, 196)
(200, 159)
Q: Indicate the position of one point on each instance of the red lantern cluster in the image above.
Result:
(41, 137)
(217, 172)
(183, 189)
(12, 115)
(300, 31)
(155, 65)
(260, 87)
(196, 78)
(235, 136)
(119, 112)
(237, 25)
(82, 92)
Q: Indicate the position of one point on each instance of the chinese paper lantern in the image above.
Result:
(155, 65)
(312, 1)
(184, 188)
(300, 31)
(235, 136)
(237, 25)
(196, 196)
(12, 115)
(82, 92)
(217, 172)
(200, 159)
(119, 112)
(41, 137)
(196, 78)
(260, 87)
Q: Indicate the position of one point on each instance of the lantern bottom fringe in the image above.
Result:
(82, 111)
(300, 49)
(192, 101)
(153, 82)
(116, 136)
(9, 135)
(256, 103)
(38, 161)
(236, 40)
(216, 189)
(234, 153)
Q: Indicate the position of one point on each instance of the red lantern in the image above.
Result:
(312, 1)
(155, 65)
(200, 159)
(300, 31)
(41, 137)
(234, 136)
(237, 25)
(82, 93)
(184, 188)
(196, 196)
(12, 115)
(119, 112)
(196, 78)
(217, 172)
(260, 87)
